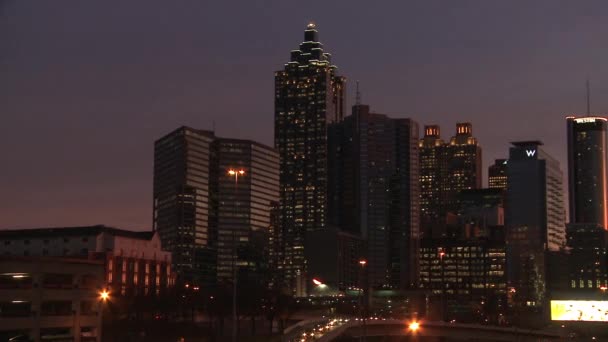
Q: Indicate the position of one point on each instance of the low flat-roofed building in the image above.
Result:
(45, 298)
(135, 263)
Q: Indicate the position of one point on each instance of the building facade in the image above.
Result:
(182, 201)
(466, 277)
(374, 192)
(309, 95)
(213, 203)
(244, 204)
(44, 298)
(446, 169)
(588, 195)
(535, 220)
(497, 174)
(134, 262)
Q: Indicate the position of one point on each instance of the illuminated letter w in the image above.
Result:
(530, 153)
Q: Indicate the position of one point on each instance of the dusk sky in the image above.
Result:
(87, 86)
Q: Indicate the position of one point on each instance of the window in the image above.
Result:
(85, 239)
(46, 241)
(66, 240)
(26, 242)
(7, 242)
(56, 308)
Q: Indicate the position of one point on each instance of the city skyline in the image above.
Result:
(83, 121)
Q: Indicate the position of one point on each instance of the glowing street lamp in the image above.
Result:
(414, 326)
(234, 173)
(104, 295)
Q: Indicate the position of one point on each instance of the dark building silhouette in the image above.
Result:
(182, 201)
(309, 95)
(200, 213)
(588, 196)
(446, 169)
(534, 220)
(374, 192)
(497, 174)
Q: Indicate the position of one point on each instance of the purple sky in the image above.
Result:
(87, 86)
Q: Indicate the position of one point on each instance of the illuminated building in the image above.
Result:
(534, 219)
(466, 276)
(432, 171)
(243, 212)
(446, 169)
(587, 228)
(309, 95)
(497, 175)
(135, 263)
(198, 209)
(374, 192)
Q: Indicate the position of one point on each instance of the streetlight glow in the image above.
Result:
(104, 295)
(414, 326)
(362, 262)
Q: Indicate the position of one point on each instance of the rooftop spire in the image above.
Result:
(358, 96)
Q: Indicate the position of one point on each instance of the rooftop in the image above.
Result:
(74, 231)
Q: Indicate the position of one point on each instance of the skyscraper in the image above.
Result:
(309, 95)
(181, 208)
(588, 196)
(534, 219)
(432, 170)
(587, 170)
(374, 192)
(446, 169)
(200, 211)
(497, 175)
(463, 165)
(243, 212)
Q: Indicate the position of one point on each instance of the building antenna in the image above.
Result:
(358, 96)
(588, 99)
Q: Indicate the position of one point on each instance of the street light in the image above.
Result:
(104, 295)
(362, 263)
(234, 173)
(414, 326)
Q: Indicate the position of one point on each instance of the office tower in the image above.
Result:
(431, 173)
(374, 192)
(309, 95)
(497, 175)
(244, 204)
(586, 231)
(463, 165)
(534, 220)
(199, 208)
(587, 170)
(446, 169)
(181, 208)
(466, 277)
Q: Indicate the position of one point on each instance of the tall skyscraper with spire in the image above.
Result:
(309, 95)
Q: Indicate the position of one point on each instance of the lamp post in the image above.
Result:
(234, 173)
(443, 299)
(104, 296)
(362, 302)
